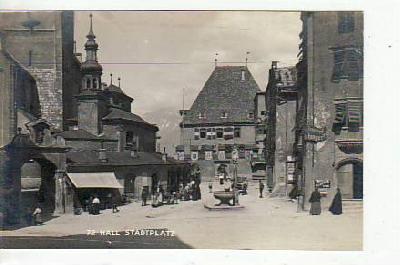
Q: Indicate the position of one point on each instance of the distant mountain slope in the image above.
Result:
(167, 120)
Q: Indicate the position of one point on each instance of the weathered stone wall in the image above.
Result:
(322, 36)
(7, 110)
(147, 137)
(43, 51)
(284, 138)
(78, 145)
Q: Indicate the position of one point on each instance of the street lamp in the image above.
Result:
(235, 157)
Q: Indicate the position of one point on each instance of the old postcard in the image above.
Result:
(182, 129)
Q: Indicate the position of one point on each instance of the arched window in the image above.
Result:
(88, 83)
(95, 83)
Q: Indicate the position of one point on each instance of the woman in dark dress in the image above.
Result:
(315, 201)
(336, 206)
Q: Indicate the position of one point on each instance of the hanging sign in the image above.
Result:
(313, 134)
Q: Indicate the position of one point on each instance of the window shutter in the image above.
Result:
(339, 58)
(340, 113)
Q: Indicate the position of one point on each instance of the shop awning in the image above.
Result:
(95, 180)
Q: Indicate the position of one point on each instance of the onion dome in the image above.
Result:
(91, 47)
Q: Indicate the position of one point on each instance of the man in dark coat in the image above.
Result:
(144, 197)
(315, 201)
(261, 187)
(336, 206)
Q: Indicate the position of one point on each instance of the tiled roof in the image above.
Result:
(116, 89)
(80, 134)
(224, 91)
(91, 158)
(118, 114)
(123, 115)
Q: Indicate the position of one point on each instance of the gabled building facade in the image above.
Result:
(224, 116)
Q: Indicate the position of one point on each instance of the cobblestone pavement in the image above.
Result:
(263, 223)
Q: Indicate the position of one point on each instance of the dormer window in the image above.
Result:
(224, 115)
(201, 115)
(250, 115)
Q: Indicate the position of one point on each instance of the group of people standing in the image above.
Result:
(315, 200)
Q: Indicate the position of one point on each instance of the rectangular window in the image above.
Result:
(237, 132)
(129, 138)
(196, 133)
(224, 115)
(220, 133)
(345, 22)
(348, 64)
(203, 133)
(263, 112)
(349, 114)
(250, 115)
(209, 134)
(228, 133)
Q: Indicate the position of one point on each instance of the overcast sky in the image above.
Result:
(133, 44)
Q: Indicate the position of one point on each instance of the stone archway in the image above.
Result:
(52, 160)
(349, 176)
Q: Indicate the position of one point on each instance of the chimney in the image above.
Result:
(102, 155)
(243, 75)
(274, 64)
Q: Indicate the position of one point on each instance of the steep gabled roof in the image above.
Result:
(225, 91)
(116, 90)
(118, 114)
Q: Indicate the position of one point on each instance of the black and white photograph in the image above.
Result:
(203, 129)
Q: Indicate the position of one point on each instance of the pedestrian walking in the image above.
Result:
(114, 205)
(315, 201)
(96, 205)
(144, 197)
(210, 186)
(336, 206)
(261, 187)
(244, 192)
(37, 216)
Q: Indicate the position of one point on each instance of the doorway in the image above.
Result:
(349, 175)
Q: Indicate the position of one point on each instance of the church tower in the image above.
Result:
(91, 69)
(92, 103)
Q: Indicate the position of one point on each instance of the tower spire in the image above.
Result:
(119, 81)
(91, 26)
(111, 79)
(91, 69)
